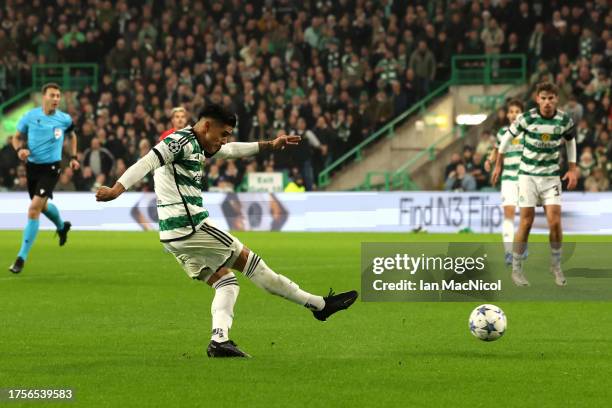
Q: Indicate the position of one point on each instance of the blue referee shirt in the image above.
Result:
(45, 134)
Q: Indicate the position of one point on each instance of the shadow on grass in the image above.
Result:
(589, 273)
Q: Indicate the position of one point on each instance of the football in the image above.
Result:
(488, 322)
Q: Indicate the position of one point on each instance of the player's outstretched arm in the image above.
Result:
(132, 175)
(572, 174)
(236, 150)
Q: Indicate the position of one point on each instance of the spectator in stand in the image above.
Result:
(99, 159)
(597, 181)
(152, 59)
(492, 36)
(481, 176)
(65, 182)
(468, 153)
(485, 144)
(452, 166)
(303, 153)
(459, 180)
(8, 164)
(423, 63)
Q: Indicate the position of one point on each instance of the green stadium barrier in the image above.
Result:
(388, 130)
(72, 77)
(400, 179)
(13, 100)
(487, 69)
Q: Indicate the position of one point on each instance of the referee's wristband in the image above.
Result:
(74, 158)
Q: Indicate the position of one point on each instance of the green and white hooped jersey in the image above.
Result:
(542, 139)
(178, 185)
(512, 158)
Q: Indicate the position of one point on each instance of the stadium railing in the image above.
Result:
(69, 76)
(400, 179)
(13, 100)
(486, 69)
(356, 152)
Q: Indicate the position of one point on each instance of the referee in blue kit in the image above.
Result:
(39, 140)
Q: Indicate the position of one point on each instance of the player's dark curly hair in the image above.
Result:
(219, 114)
(517, 103)
(547, 87)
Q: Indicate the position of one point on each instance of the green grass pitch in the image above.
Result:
(116, 319)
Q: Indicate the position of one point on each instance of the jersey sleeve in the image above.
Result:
(518, 126)
(569, 131)
(499, 135)
(174, 147)
(23, 124)
(69, 125)
(236, 150)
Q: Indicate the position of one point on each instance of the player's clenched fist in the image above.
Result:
(108, 194)
(23, 154)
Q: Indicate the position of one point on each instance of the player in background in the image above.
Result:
(205, 252)
(39, 140)
(509, 176)
(545, 129)
(179, 118)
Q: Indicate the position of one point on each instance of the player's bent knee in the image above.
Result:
(242, 259)
(218, 275)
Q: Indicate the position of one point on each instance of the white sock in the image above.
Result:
(508, 234)
(555, 257)
(517, 262)
(222, 308)
(265, 278)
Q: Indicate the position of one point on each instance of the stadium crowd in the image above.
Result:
(572, 48)
(331, 71)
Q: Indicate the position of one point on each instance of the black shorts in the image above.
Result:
(42, 178)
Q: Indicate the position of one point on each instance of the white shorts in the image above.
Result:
(535, 191)
(206, 251)
(509, 193)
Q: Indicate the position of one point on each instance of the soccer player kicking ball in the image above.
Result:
(206, 252)
(43, 131)
(545, 128)
(509, 176)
